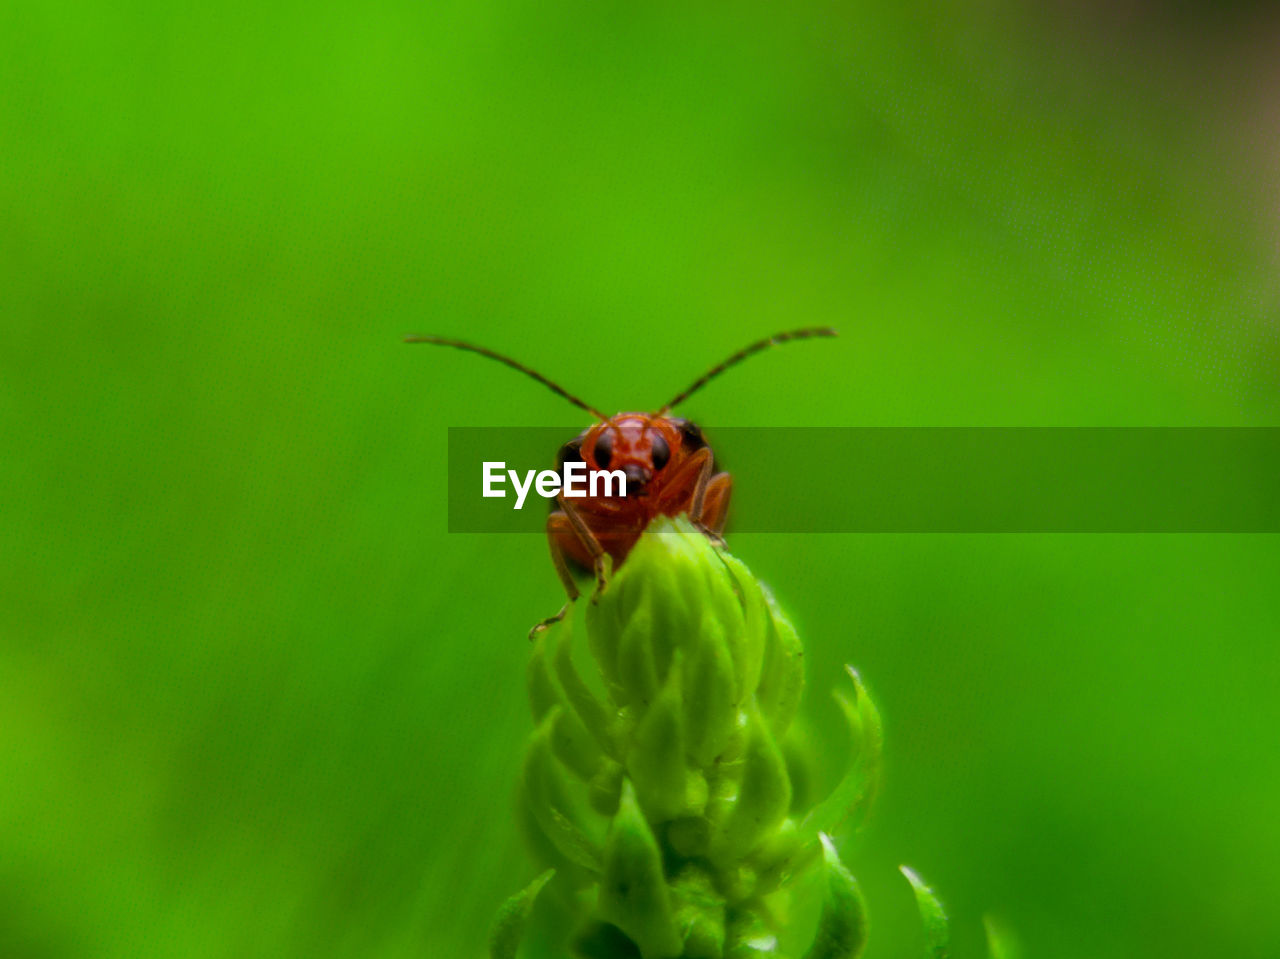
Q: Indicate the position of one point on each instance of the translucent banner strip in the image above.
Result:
(928, 480)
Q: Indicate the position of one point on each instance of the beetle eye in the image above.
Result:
(604, 450)
(690, 435)
(571, 452)
(661, 452)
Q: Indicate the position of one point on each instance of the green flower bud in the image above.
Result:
(861, 781)
(710, 694)
(669, 787)
(633, 889)
(508, 927)
(552, 801)
(761, 800)
(700, 912)
(842, 931)
(1001, 943)
(937, 931)
(659, 784)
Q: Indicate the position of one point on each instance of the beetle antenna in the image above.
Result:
(508, 361)
(742, 354)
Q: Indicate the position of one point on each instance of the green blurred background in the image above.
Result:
(254, 701)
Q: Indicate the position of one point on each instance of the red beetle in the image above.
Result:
(669, 469)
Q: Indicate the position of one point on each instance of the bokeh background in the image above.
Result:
(255, 701)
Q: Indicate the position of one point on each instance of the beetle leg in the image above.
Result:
(557, 526)
(715, 505)
(703, 459)
(709, 533)
(589, 543)
(550, 620)
(699, 514)
(709, 499)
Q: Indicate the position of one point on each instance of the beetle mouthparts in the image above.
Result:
(637, 478)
